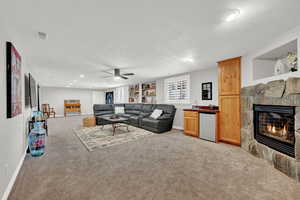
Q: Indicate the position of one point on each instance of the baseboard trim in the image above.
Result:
(230, 142)
(178, 127)
(13, 178)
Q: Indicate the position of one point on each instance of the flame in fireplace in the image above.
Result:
(270, 128)
(275, 130)
(284, 130)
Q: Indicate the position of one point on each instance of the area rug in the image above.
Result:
(97, 138)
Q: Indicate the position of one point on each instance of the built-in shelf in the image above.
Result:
(264, 65)
(134, 93)
(149, 92)
(278, 77)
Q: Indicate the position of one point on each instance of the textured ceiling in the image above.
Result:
(147, 37)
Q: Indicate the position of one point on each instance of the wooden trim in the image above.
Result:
(230, 142)
(230, 59)
(191, 135)
(217, 127)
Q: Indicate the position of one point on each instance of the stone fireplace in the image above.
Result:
(271, 124)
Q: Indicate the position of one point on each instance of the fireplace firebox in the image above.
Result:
(274, 126)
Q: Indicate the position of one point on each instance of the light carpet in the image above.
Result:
(168, 166)
(97, 137)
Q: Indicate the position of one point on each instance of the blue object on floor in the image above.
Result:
(37, 139)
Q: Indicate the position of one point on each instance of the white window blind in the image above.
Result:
(121, 94)
(177, 89)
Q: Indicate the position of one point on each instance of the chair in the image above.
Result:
(47, 111)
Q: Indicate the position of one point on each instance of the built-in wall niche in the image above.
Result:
(276, 62)
(149, 92)
(134, 93)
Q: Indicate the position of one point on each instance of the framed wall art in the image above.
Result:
(13, 81)
(207, 91)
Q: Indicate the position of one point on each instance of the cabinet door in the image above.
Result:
(229, 130)
(229, 77)
(191, 126)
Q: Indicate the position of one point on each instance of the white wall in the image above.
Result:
(98, 97)
(56, 96)
(196, 78)
(263, 68)
(13, 140)
(247, 73)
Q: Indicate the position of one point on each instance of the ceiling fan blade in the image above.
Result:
(128, 74)
(123, 77)
(106, 77)
(107, 65)
(107, 72)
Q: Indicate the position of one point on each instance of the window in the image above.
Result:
(177, 89)
(121, 94)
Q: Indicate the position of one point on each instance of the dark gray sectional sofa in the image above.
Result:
(139, 115)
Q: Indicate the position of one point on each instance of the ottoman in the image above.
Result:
(89, 121)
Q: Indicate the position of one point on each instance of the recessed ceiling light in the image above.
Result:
(188, 59)
(81, 76)
(75, 81)
(232, 15)
(70, 83)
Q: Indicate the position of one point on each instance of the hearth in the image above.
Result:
(274, 126)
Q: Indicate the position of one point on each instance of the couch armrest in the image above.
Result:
(165, 117)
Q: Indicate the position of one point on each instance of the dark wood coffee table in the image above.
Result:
(115, 122)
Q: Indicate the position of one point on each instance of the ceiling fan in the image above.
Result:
(117, 75)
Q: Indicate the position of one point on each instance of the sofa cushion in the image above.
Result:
(134, 119)
(146, 111)
(156, 113)
(104, 112)
(133, 109)
(124, 115)
(103, 107)
(150, 122)
(168, 111)
(147, 108)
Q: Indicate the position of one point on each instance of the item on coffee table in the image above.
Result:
(114, 117)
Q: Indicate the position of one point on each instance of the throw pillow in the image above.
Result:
(156, 114)
(119, 110)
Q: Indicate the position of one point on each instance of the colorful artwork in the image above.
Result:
(14, 81)
(109, 97)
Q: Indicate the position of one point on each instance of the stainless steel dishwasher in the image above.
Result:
(208, 126)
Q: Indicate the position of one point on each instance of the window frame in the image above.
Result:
(177, 79)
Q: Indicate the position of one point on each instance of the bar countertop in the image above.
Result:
(204, 109)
